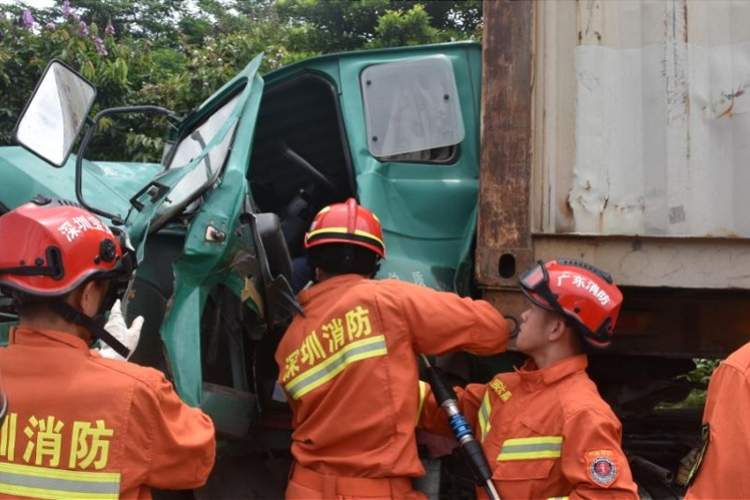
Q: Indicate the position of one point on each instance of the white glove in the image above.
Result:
(118, 329)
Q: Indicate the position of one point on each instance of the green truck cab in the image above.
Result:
(219, 224)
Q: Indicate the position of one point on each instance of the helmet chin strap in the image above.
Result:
(72, 315)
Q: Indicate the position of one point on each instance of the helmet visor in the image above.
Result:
(535, 284)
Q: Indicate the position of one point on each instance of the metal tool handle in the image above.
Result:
(461, 429)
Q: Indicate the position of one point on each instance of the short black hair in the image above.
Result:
(344, 258)
(26, 305)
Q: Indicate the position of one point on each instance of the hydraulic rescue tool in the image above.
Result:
(461, 429)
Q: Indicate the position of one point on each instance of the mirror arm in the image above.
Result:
(90, 130)
(93, 126)
(156, 110)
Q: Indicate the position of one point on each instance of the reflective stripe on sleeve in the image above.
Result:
(557, 498)
(531, 448)
(422, 395)
(483, 416)
(45, 482)
(328, 369)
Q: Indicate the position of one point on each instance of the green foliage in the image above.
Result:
(411, 27)
(151, 19)
(704, 368)
(700, 376)
(340, 25)
(175, 53)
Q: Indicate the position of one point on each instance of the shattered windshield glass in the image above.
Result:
(194, 146)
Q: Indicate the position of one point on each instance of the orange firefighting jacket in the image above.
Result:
(349, 369)
(81, 426)
(724, 470)
(546, 433)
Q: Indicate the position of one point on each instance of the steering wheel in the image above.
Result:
(305, 165)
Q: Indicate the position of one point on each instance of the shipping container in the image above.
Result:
(618, 132)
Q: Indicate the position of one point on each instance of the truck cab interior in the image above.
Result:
(299, 164)
(300, 161)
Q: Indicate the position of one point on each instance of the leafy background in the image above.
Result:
(175, 53)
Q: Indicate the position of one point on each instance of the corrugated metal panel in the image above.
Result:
(649, 146)
(658, 140)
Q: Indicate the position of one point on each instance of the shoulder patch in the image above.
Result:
(601, 467)
(501, 389)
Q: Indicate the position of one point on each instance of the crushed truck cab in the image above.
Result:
(219, 223)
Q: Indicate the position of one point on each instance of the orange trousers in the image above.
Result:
(306, 484)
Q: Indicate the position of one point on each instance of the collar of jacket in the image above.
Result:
(334, 283)
(532, 377)
(46, 338)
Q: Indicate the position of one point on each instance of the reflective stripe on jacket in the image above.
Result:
(80, 426)
(546, 433)
(349, 369)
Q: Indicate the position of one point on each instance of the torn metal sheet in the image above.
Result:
(662, 129)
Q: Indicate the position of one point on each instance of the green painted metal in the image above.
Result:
(428, 211)
(203, 263)
(106, 184)
(5, 332)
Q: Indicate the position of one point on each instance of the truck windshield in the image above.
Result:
(194, 145)
(184, 197)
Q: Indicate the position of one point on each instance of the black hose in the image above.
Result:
(461, 429)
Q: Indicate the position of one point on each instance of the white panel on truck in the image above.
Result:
(642, 122)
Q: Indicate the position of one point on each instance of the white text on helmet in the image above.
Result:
(74, 227)
(586, 284)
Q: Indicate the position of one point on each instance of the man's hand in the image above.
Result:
(118, 329)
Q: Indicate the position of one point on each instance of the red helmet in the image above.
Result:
(579, 291)
(50, 249)
(349, 223)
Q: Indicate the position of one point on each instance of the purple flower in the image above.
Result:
(50, 26)
(66, 8)
(100, 48)
(27, 19)
(109, 30)
(84, 29)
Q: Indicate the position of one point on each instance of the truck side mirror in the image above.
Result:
(53, 117)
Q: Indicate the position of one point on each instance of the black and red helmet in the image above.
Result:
(585, 295)
(49, 250)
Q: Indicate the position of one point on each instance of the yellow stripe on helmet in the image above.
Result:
(343, 230)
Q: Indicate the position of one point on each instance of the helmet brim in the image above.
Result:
(361, 242)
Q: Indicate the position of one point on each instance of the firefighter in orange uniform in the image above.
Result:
(722, 463)
(545, 430)
(348, 365)
(79, 425)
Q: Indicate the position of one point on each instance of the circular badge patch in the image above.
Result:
(603, 471)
